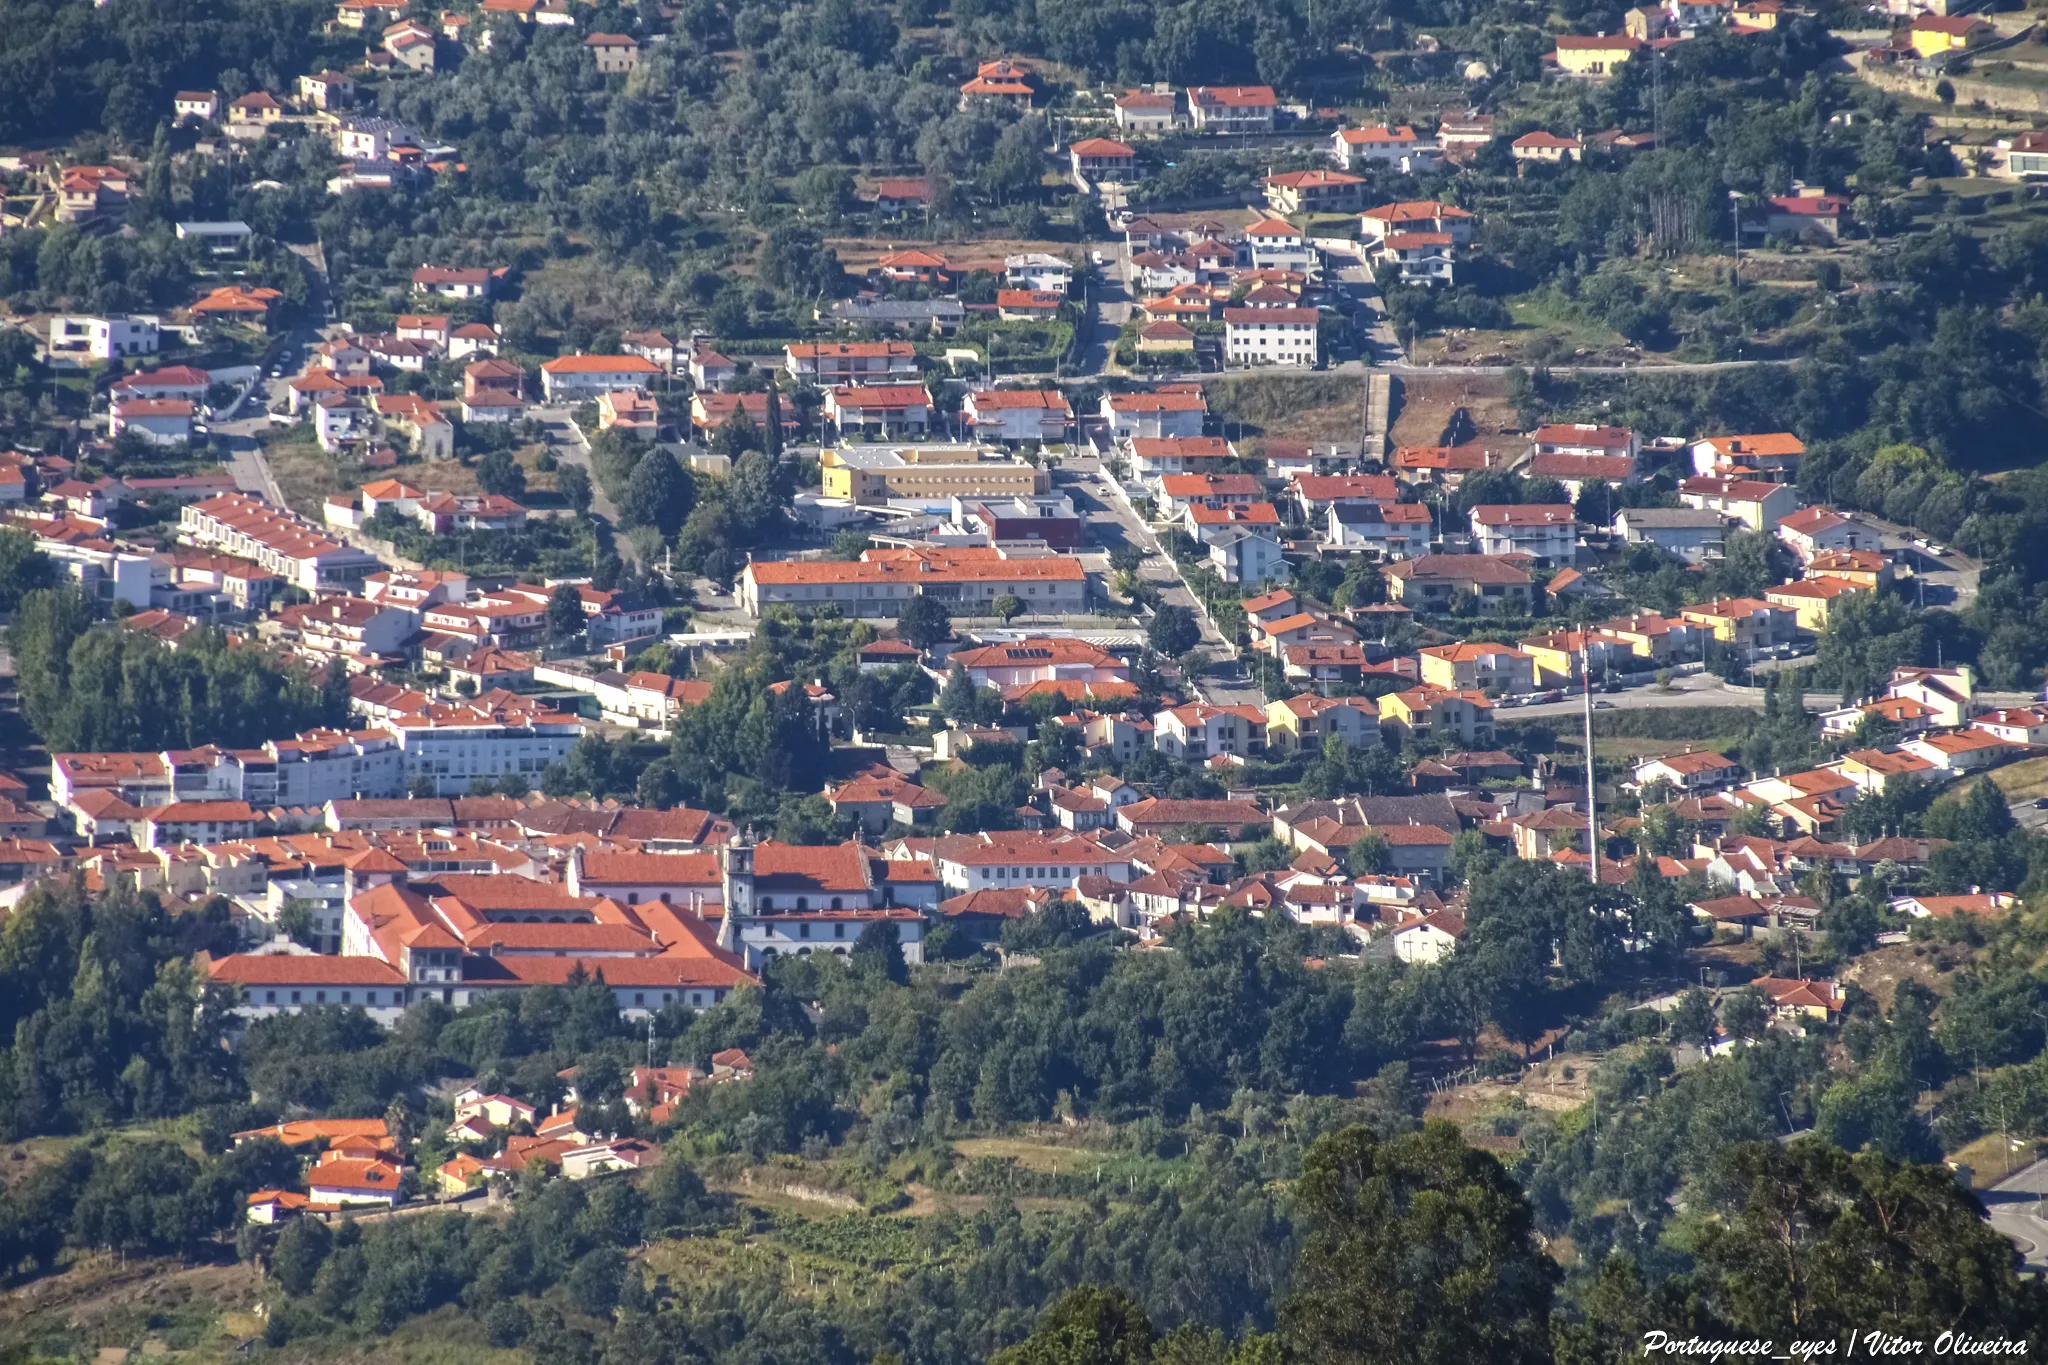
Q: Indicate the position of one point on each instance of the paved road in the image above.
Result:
(1704, 689)
(245, 450)
(1382, 347)
(1111, 521)
(1109, 309)
(2014, 1204)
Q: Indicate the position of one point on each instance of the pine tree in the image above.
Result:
(773, 434)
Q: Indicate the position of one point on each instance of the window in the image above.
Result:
(639, 997)
(270, 997)
(803, 931)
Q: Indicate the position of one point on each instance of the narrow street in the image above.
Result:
(245, 458)
(1109, 308)
(1111, 521)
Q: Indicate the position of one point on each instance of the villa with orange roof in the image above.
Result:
(1102, 158)
(581, 378)
(1232, 108)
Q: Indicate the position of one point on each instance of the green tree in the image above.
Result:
(497, 472)
(1008, 607)
(565, 612)
(572, 482)
(1419, 1249)
(296, 920)
(1813, 1239)
(1173, 630)
(1369, 856)
(924, 622)
(959, 699)
(300, 1252)
(1743, 1014)
(771, 426)
(24, 568)
(1088, 1325)
(660, 493)
(1693, 1020)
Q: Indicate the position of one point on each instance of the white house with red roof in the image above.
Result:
(160, 421)
(783, 899)
(2015, 725)
(1771, 455)
(1757, 503)
(1690, 771)
(1814, 531)
(1177, 412)
(1417, 215)
(1233, 108)
(1583, 438)
(879, 411)
(1549, 532)
(1806, 213)
(1276, 244)
(1314, 191)
(1262, 337)
(1199, 731)
(581, 378)
(172, 381)
(1379, 144)
(1178, 492)
(1040, 659)
(1015, 416)
(1156, 110)
(838, 362)
(1102, 158)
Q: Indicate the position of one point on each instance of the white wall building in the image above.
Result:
(1270, 336)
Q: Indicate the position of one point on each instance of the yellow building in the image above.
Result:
(1811, 599)
(1595, 58)
(870, 474)
(1467, 666)
(1759, 13)
(1933, 34)
(1744, 622)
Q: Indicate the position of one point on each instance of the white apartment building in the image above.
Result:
(1549, 532)
(1199, 731)
(1165, 414)
(837, 362)
(1270, 336)
(286, 544)
(583, 378)
(458, 745)
(104, 338)
(979, 862)
(1249, 554)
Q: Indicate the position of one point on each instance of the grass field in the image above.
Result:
(1034, 1156)
(2025, 780)
(305, 474)
(1304, 407)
